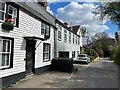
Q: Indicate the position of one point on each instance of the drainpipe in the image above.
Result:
(55, 41)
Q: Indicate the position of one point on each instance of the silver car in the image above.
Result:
(82, 58)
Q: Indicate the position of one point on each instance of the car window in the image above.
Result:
(81, 55)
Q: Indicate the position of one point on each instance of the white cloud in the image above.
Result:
(111, 35)
(72, 1)
(52, 1)
(49, 10)
(80, 14)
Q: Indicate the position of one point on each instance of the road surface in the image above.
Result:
(101, 74)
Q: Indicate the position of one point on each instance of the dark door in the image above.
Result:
(30, 56)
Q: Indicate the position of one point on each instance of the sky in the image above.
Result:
(80, 13)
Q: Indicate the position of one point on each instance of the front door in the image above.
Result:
(30, 56)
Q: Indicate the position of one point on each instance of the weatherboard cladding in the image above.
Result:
(28, 26)
(37, 10)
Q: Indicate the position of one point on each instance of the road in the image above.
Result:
(101, 74)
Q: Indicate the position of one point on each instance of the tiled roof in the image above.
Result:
(75, 28)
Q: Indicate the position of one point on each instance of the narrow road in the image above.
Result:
(101, 74)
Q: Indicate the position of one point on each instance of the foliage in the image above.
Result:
(116, 36)
(109, 10)
(8, 24)
(91, 53)
(115, 54)
(102, 44)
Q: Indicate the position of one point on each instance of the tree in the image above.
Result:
(101, 44)
(110, 10)
(116, 36)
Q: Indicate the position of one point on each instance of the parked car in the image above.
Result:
(82, 58)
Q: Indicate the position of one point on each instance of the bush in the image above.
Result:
(116, 55)
(92, 54)
(91, 58)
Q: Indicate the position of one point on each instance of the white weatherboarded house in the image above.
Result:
(68, 40)
(36, 39)
(29, 47)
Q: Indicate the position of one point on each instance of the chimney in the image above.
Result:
(43, 3)
(66, 24)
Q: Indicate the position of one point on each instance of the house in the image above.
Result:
(29, 47)
(34, 41)
(68, 41)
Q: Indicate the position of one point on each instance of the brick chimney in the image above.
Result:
(43, 3)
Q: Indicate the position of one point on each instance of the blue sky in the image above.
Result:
(66, 12)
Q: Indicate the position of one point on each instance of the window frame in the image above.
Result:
(59, 32)
(78, 40)
(69, 37)
(73, 39)
(10, 53)
(45, 27)
(13, 16)
(73, 54)
(46, 52)
(7, 4)
(65, 35)
(3, 11)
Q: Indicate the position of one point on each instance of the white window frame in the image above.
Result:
(13, 16)
(3, 11)
(69, 37)
(45, 27)
(73, 54)
(65, 35)
(76, 40)
(2, 67)
(59, 32)
(45, 59)
(73, 39)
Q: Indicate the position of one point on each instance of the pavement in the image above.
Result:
(101, 74)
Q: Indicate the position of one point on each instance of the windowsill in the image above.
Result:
(5, 68)
(46, 60)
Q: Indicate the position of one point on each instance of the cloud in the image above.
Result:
(49, 10)
(72, 1)
(111, 35)
(81, 14)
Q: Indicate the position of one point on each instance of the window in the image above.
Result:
(59, 32)
(73, 38)
(45, 28)
(8, 11)
(78, 40)
(12, 13)
(69, 37)
(2, 11)
(65, 36)
(77, 52)
(73, 54)
(5, 52)
(46, 52)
